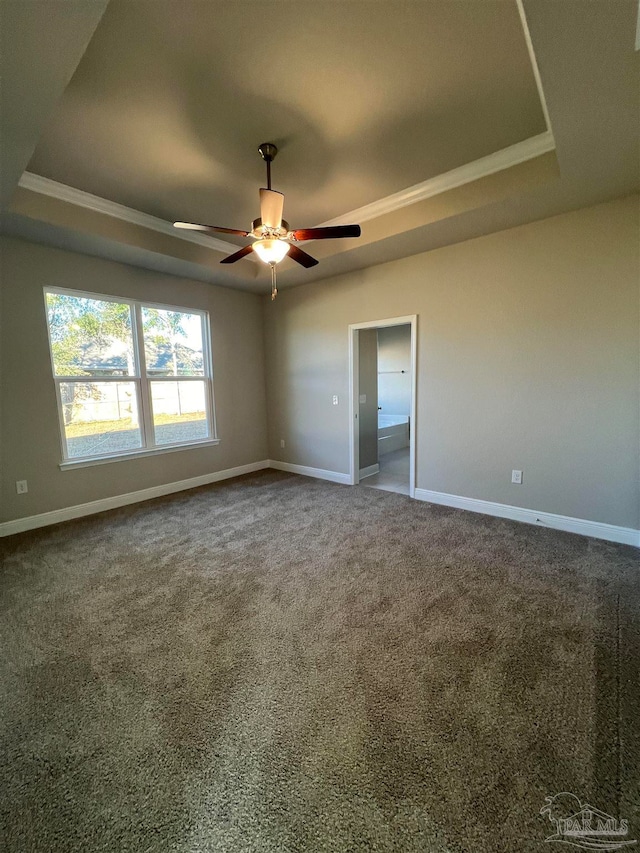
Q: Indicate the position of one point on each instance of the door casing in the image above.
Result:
(354, 396)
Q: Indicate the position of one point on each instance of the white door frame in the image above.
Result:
(354, 397)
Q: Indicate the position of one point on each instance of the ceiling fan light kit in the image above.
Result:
(271, 250)
(273, 240)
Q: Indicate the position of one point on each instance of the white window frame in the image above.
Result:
(141, 381)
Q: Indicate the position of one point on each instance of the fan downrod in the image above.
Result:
(268, 151)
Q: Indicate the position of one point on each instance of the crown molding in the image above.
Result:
(54, 189)
(528, 149)
(534, 62)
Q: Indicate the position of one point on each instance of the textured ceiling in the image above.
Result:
(170, 99)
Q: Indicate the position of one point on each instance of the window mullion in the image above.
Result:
(144, 395)
(207, 362)
(180, 377)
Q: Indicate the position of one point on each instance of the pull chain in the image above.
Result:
(274, 288)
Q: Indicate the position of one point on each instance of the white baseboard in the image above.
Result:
(369, 471)
(597, 529)
(318, 473)
(7, 528)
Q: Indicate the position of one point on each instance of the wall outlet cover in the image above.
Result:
(516, 477)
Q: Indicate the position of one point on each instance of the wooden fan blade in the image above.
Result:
(301, 257)
(231, 259)
(209, 229)
(328, 233)
(271, 206)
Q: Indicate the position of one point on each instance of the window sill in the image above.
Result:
(136, 454)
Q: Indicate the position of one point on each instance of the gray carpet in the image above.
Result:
(281, 664)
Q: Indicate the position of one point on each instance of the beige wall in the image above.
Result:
(528, 357)
(30, 433)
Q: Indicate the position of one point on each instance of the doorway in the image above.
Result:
(383, 403)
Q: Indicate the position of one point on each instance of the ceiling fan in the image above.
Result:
(273, 240)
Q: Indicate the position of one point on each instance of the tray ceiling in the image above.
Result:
(170, 101)
(430, 114)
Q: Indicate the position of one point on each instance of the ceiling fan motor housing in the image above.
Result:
(272, 235)
(260, 230)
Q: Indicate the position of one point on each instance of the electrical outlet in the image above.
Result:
(21, 487)
(282, 442)
(335, 399)
(363, 398)
(516, 477)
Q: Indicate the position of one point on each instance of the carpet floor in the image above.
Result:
(279, 665)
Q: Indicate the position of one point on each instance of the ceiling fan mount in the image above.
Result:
(273, 239)
(268, 151)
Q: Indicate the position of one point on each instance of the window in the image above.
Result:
(131, 378)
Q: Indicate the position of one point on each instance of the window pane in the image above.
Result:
(90, 337)
(100, 417)
(172, 342)
(179, 411)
